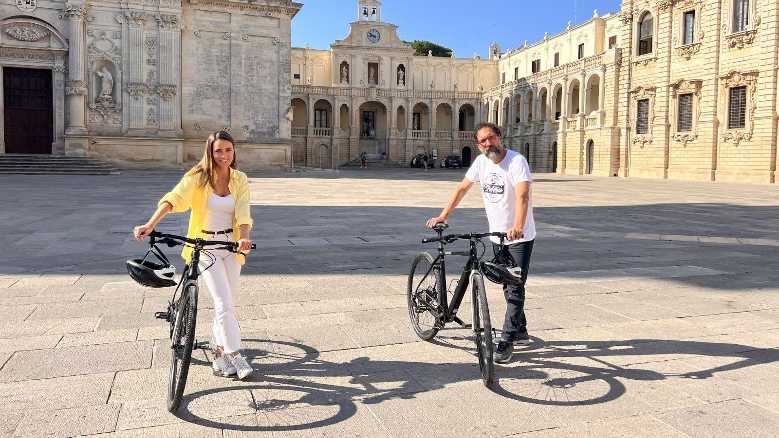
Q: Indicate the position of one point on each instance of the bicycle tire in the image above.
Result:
(422, 298)
(482, 329)
(182, 341)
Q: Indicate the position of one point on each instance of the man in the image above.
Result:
(504, 177)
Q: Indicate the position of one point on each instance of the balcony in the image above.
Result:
(420, 135)
(443, 135)
(298, 90)
(591, 122)
(572, 124)
(322, 132)
(465, 135)
(299, 132)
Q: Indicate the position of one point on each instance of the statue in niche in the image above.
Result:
(106, 86)
(401, 77)
(344, 73)
(372, 75)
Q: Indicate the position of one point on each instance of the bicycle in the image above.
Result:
(181, 313)
(427, 294)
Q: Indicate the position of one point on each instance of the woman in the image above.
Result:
(218, 196)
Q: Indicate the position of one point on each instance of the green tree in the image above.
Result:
(422, 47)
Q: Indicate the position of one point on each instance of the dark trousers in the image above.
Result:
(515, 322)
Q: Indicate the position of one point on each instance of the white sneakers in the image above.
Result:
(230, 365)
(222, 367)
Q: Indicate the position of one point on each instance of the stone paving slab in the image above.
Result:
(653, 308)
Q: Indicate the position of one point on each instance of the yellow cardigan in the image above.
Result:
(188, 194)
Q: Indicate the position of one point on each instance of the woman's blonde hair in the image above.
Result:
(205, 168)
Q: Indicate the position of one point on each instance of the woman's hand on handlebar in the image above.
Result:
(244, 245)
(142, 231)
(433, 221)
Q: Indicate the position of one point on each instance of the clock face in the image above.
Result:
(374, 36)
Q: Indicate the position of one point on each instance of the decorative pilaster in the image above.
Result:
(75, 87)
(170, 35)
(136, 87)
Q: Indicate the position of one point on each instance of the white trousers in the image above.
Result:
(222, 280)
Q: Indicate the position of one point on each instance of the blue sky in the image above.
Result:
(466, 26)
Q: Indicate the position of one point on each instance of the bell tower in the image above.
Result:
(369, 10)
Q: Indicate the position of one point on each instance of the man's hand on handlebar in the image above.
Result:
(142, 231)
(433, 221)
(515, 233)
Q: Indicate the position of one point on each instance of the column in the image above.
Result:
(136, 87)
(168, 87)
(601, 96)
(76, 88)
(582, 95)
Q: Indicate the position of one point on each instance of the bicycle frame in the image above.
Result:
(470, 269)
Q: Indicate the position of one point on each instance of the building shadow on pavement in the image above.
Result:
(296, 389)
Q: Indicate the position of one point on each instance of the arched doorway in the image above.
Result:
(466, 156)
(467, 118)
(373, 129)
(324, 156)
(554, 157)
(590, 154)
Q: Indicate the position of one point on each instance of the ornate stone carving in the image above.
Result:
(27, 32)
(644, 61)
(689, 50)
(740, 79)
(27, 55)
(169, 22)
(166, 91)
(196, 33)
(226, 35)
(135, 17)
(75, 88)
(73, 12)
(136, 90)
(685, 137)
(151, 118)
(26, 5)
(741, 39)
(60, 68)
(626, 17)
(664, 5)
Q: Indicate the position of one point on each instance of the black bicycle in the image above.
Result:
(181, 313)
(428, 302)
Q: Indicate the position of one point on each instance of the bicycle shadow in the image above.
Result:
(296, 389)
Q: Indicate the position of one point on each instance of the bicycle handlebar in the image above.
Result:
(449, 238)
(173, 240)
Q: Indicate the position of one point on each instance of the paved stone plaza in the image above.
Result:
(653, 307)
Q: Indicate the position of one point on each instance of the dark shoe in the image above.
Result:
(503, 352)
(522, 338)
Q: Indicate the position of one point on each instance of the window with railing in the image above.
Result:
(684, 121)
(416, 121)
(321, 119)
(737, 108)
(368, 128)
(642, 116)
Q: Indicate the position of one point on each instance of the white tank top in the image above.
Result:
(220, 213)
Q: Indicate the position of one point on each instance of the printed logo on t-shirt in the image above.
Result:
(494, 187)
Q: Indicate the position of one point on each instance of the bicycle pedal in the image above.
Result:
(161, 315)
(202, 345)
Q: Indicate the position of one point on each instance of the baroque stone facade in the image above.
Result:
(148, 80)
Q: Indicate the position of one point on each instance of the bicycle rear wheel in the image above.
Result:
(423, 294)
(182, 340)
(482, 329)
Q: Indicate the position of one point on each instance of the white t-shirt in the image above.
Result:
(220, 213)
(498, 185)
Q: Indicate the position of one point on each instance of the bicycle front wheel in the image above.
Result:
(182, 340)
(423, 296)
(482, 329)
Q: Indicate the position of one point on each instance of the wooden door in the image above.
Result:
(28, 112)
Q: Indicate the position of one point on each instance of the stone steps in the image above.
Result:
(29, 164)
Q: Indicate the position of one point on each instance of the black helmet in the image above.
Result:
(151, 274)
(503, 269)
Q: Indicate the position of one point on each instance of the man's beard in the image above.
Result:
(492, 152)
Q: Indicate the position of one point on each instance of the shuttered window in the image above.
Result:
(642, 117)
(684, 124)
(737, 108)
(740, 15)
(689, 27)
